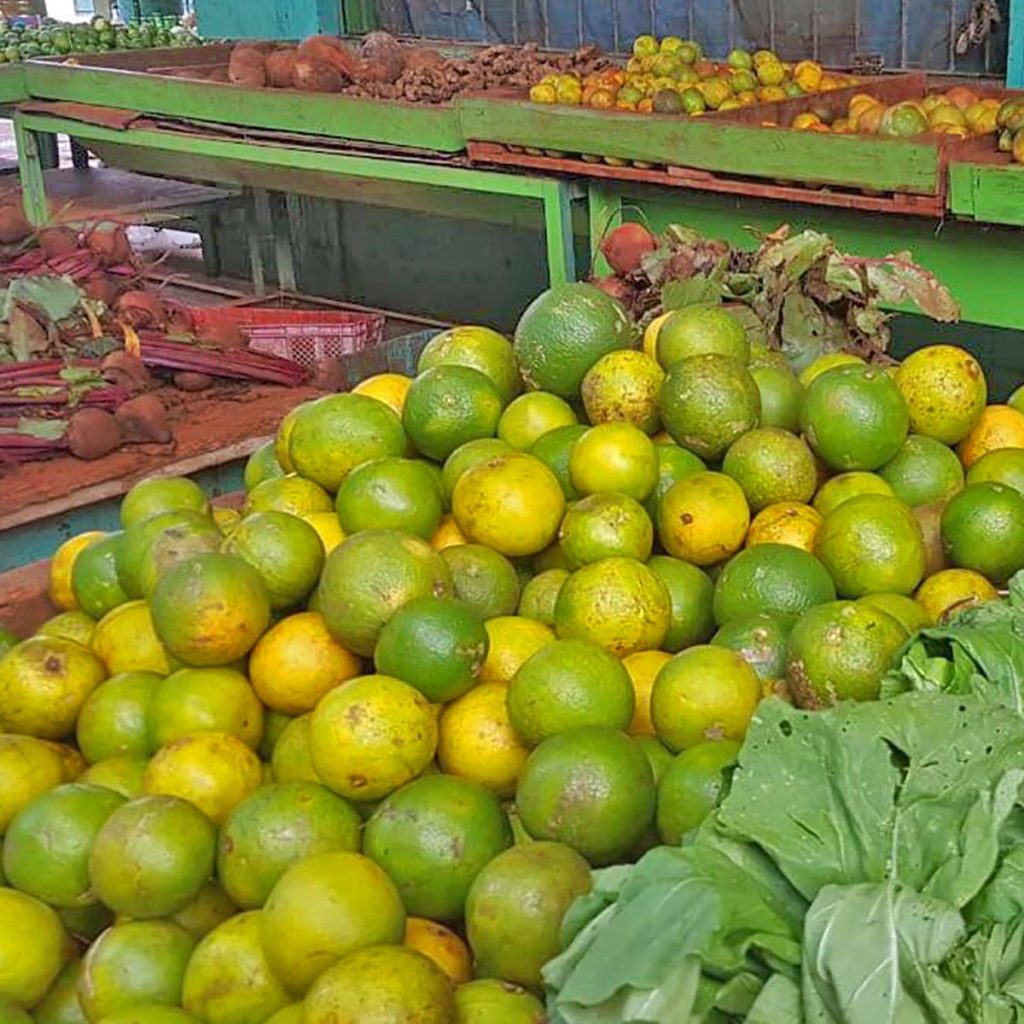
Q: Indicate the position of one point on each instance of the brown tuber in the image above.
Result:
(317, 76)
(126, 371)
(383, 56)
(247, 67)
(56, 242)
(625, 247)
(110, 243)
(143, 419)
(422, 58)
(189, 380)
(14, 227)
(92, 433)
(280, 67)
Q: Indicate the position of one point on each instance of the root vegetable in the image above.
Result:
(280, 67)
(141, 309)
(13, 225)
(188, 380)
(126, 371)
(421, 58)
(142, 419)
(383, 55)
(625, 247)
(247, 67)
(317, 76)
(102, 288)
(110, 243)
(57, 242)
(93, 433)
(332, 51)
(616, 288)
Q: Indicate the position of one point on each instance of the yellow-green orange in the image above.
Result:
(673, 464)
(701, 330)
(952, 590)
(512, 503)
(704, 693)
(614, 458)
(625, 387)
(389, 388)
(786, 522)
(291, 493)
(554, 449)
(643, 668)
(781, 397)
(324, 907)
(1002, 466)
(150, 549)
(33, 948)
(483, 579)
(94, 581)
(442, 946)
(529, 417)
(945, 391)
(999, 426)
(840, 651)
(489, 1001)
(262, 465)
(692, 787)
(479, 348)
(703, 518)
(125, 641)
(923, 471)
(691, 594)
(872, 544)
(291, 760)
(371, 735)
(468, 455)
(539, 595)
(822, 364)
(982, 529)
(590, 788)
(761, 641)
(61, 566)
(909, 612)
(603, 526)
(617, 603)
(390, 494)
(200, 699)
(28, 767)
(162, 494)
(113, 721)
(771, 465)
(512, 640)
(842, 488)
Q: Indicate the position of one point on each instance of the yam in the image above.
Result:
(317, 76)
(14, 226)
(280, 67)
(247, 67)
(143, 419)
(383, 53)
(93, 433)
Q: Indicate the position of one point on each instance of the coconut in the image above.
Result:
(317, 76)
(280, 67)
(382, 52)
(247, 67)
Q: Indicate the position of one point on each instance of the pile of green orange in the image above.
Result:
(347, 753)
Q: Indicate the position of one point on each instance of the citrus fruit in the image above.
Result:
(73, 625)
(150, 1015)
(846, 486)
(929, 520)
(121, 774)
(368, 578)
(693, 785)
(151, 856)
(113, 720)
(138, 963)
(284, 549)
(213, 770)
(707, 402)
(283, 439)
(480, 349)
(854, 417)
(871, 545)
(94, 581)
(923, 471)
(211, 609)
(907, 611)
(125, 641)
(999, 426)
(760, 640)
(447, 534)
(381, 983)
(515, 907)
(982, 529)
(564, 331)
(822, 364)
(149, 549)
(643, 668)
(44, 681)
(617, 603)
(786, 522)
(200, 699)
(532, 416)
(62, 565)
(590, 788)
(673, 464)
(60, 1004)
(703, 518)
(775, 578)
(950, 591)
(539, 595)
(512, 641)
(205, 911)
(651, 331)
(28, 767)
(162, 494)
(297, 661)
(261, 465)
(334, 434)
(291, 760)
(448, 406)
(436, 645)
(840, 651)
(568, 684)
(33, 948)
(1002, 466)
(468, 455)
(489, 1001)
(781, 397)
(291, 493)
(228, 979)
(392, 494)
(690, 596)
(442, 946)
(512, 503)
(945, 391)
(605, 525)
(224, 517)
(291, 1014)
(771, 465)
(704, 693)
(1016, 400)
(389, 388)
(554, 449)
(476, 740)
(624, 386)
(433, 837)
(371, 735)
(701, 330)
(483, 579)
(614, 458)
(324, 907)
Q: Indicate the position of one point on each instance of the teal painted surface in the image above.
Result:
(267, 19)
(36, 541)
(1015, 47)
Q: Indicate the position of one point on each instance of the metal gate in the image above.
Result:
(904, 33)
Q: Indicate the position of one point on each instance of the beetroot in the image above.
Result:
(57, 242)
(14, 227)
(101, 288)
(141, 309)
(144, 418)
(126, 371)
(110, 243)
(625, 247)
(189, 380)
(92, 433)
(616, 288)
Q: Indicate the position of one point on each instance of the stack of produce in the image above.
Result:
(477, 634)
(674, 77)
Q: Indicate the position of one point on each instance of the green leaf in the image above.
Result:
(1002, 900)
(692, 292)
(45, 430)
(56, 297)
(987, 967)
(778, 1003)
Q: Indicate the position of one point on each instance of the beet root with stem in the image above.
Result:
(93, 433)
(143, 419)
(625, 247)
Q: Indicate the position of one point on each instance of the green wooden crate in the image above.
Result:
(149, 81)
(990, 191)
(12, 83)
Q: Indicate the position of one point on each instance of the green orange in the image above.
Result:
(121, 774)
(781, 397)
(624, 386)
(199, 699)
(369, 577)
(468, 455)
(162, 494)
(155, 546)
(760, 640)
(873, 544)
(479, 348)
(291, 760)
(691, 594)
(923, 471)
(840, 651)
(94, 580)
(1002, 466)
(771, 465)
(823, 363)
(530, 417)
(262, 465)
(983, 529)
(910, 612)
(33, 948)
(390, 494)
(568, 684)
(554, 449)
(855, 418)
(701, 330)
(692, 786)
(603, 526)
(673, 464)
(945, 390)
(590, 788)
(483, 579)
(290, 493)
(538, 597)
(488, 1001)
(848, 485)
(614, 458)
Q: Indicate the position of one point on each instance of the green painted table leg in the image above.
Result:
(30, 171)
(557, 198)
(605, 208)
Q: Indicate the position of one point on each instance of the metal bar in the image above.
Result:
(557, 197)
(546, 15)
(30, 171)
(951, 60)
